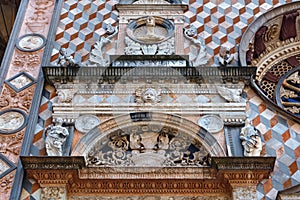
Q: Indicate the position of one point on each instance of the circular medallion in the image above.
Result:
(12, 121)
(85, 123)
(31, 42)
(150, 30)
(211, 123)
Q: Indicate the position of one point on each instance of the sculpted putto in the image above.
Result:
(251, 140)
(56, 137)
(148, 95)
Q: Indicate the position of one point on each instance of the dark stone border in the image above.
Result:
(243, 163)
(22, 88)
(21, 127)
(52, 162)
(34, 49)
(9, 163)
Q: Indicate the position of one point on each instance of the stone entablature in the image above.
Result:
(216, 181)
(122, 90)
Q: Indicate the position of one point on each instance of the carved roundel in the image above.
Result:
(31, 42)
(150, 30)
(12, 121)
(211, 123)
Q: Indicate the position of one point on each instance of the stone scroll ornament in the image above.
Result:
(251, 140)
(97, 54)
(201, 58)
(55, 138)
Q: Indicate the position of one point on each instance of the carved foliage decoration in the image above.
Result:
(26, 62)
(6, 185)
(10, 99)
(11, 145)
(53, 193)
(200, 53)
(97, 55)
(148, 146)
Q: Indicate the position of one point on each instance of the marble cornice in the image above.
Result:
(114, 74)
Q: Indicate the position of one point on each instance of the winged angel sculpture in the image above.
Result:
(96, 56)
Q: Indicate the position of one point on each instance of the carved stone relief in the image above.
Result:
(65, 95)
(97, 55)
(56, 136)
(49, 193)
(31, 42)
(26, 62)
(65, 59)
(211, 123)
(251, 139)
(37, 21)
(231, 95)
(10, 145)
(148, 198)
(242, 193)
(85, 123)
(148, 95)
(6, 185)
(11, 121)
(20, 81)
(200, 53)
(150, 36)
(11, 99)
(148, 146)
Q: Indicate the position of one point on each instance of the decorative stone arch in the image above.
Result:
(151, 125)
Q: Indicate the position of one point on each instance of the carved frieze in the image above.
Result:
(53, 193)
(149, 198)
